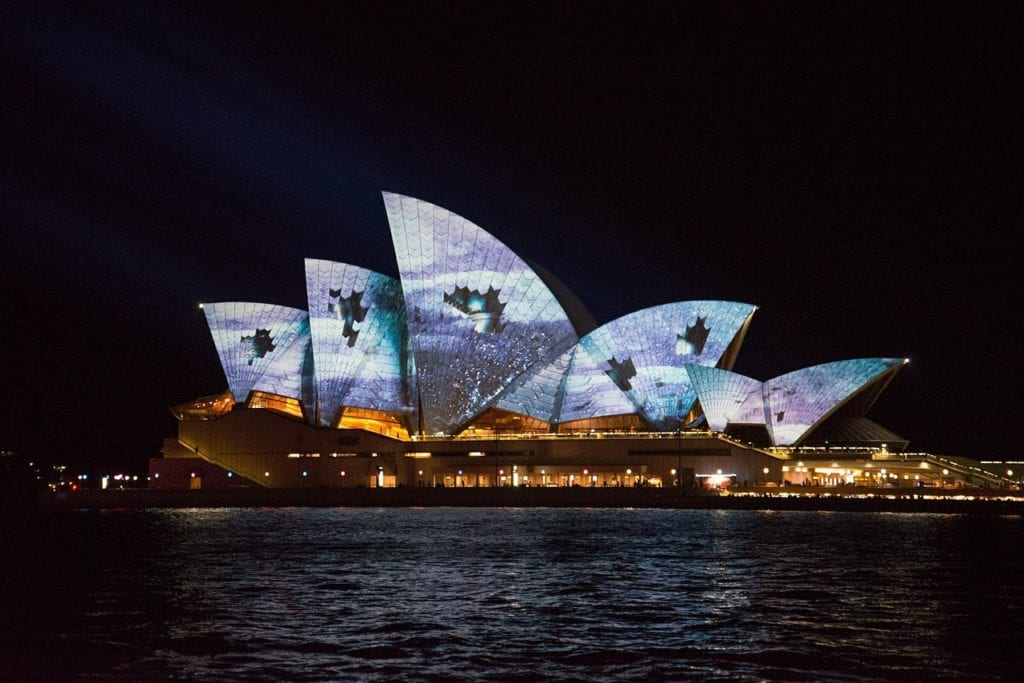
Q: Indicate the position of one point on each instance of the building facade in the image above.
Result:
(478, 368)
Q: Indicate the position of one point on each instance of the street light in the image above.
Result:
(765, 470)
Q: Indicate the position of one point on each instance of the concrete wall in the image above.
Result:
(257, 444)
(190, 473)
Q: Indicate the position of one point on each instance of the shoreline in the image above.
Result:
(966, 501)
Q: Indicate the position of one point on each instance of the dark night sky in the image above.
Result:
(853, 169)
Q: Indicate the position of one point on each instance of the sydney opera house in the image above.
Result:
(477, 367)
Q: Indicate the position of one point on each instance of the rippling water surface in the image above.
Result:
(511, 594)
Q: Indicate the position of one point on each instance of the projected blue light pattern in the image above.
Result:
(289, 369)
(645, 353)
(589, 392)
(479, 316)
(261, 346)
(472, 326)
(538, 393)
(724, 394)
(798, 401)
(358, 326)
(572, 387)
(753, 410)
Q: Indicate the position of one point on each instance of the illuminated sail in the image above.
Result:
(799, 401)
(358, 326)
(645, 353)
(479, 316)
(261, 347)
(726, 397)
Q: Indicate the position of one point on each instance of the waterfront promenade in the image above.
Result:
(974, 501)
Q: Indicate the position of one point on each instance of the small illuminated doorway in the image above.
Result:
(381, 479)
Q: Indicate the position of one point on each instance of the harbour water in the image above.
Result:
(511, 595)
